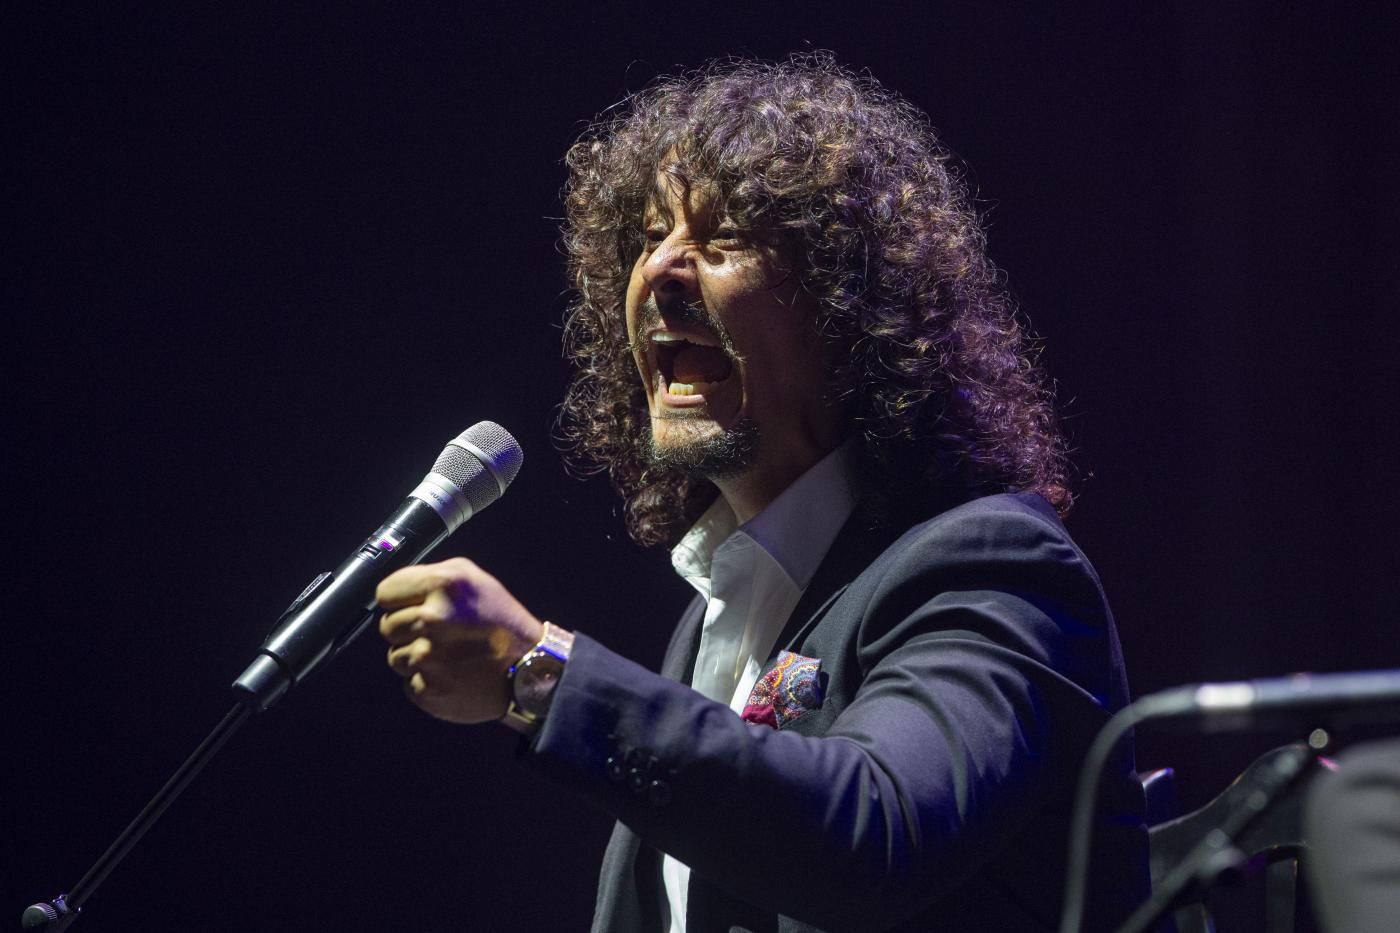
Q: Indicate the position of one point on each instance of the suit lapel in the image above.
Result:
(855, 547)
(679, 662)
(630, 891)
(623, 888)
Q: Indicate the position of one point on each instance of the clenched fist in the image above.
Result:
(454, 631)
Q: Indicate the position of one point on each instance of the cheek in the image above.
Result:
(796, 374)
(633, 301)
(636, 294)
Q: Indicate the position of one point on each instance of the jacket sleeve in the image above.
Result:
(984, 662)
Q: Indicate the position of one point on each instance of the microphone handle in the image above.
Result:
(337, 606)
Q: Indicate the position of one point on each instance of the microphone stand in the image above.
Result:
(1250, 800)
(56, 915)
(261, 685)
(470, 473)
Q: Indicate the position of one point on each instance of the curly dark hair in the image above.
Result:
(938, 377)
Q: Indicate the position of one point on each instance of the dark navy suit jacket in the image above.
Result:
(967, 665)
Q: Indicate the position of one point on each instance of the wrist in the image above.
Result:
(531, 681)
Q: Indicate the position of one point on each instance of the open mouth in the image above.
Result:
(689, 364)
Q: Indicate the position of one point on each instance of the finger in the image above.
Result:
(415, 686)
(411, 585)
(405, 660)
(403, 625)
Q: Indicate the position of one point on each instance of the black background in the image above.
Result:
(261, 262)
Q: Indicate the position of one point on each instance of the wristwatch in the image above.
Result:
(532, 679)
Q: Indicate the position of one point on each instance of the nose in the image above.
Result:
(670, 269)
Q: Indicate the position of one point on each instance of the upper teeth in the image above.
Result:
(663, 336)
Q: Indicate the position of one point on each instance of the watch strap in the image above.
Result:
(556, 641)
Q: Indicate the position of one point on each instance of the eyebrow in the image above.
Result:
(658, 198)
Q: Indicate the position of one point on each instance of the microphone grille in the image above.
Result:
(481, 461)
(496, 442)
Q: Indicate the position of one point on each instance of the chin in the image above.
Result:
(700, 448)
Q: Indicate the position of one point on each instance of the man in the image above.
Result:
(798, 368)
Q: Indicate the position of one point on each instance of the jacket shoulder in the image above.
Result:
(1007, 527)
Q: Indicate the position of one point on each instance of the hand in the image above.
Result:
(454, 632)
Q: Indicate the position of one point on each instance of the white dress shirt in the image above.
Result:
(751, 577)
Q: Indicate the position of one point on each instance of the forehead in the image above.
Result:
(675, 193)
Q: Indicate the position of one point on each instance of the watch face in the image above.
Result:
(534, 682)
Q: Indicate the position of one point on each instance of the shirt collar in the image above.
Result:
(796, 529)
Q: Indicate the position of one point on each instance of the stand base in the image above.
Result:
(49, 916)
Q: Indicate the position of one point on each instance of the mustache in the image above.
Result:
(651, 315)
(676, 311)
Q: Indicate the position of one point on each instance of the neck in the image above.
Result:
(750, 492)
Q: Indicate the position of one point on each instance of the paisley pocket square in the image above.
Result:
(791, 688)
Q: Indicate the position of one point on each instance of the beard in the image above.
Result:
(704, 451)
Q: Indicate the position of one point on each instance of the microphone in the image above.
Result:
(1359, 696)
(472, 472)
